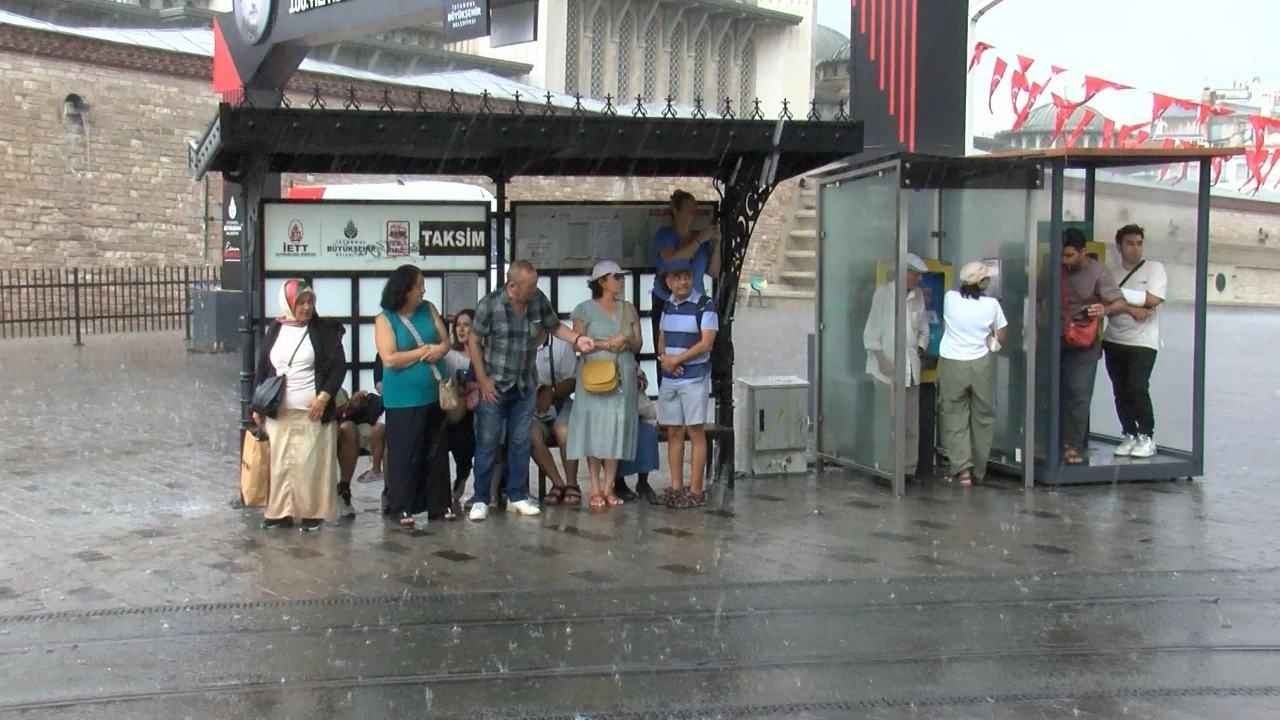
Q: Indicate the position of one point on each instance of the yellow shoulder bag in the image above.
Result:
(601, 376)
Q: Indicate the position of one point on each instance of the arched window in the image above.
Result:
(572, 51)
(650, 79)
(700, 44)
(626, 42)
(676, 67)
(747, 75)
(599, 48)
(724, 64)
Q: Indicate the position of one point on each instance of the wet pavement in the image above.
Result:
(131, 589)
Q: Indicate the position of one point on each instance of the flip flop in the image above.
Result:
(597, 501)
(554, 496)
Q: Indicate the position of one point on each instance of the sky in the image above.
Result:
(1174, 47)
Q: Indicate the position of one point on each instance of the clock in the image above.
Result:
(253, 19)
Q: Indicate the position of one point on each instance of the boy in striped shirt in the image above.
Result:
(686, 334)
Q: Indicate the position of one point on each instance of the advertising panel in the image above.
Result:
(355, 236)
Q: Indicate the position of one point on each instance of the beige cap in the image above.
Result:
(975, 272)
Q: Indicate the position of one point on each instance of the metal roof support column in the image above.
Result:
(743, 194)
(253, 178)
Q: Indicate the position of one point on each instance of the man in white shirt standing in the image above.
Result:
(878, 338)
(1131, 341)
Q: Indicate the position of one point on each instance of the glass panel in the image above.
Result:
(991, 226)
(1047, 326)
(1129, 197)
(859, 243)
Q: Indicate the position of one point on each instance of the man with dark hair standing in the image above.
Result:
(1089, 293)
(1131, 341)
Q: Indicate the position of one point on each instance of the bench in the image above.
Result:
(719, 455)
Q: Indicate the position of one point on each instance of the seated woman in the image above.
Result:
(646, 459)
(307, 351)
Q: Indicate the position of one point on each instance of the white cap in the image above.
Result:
(915, 263)
(606, 267)
(975, 272)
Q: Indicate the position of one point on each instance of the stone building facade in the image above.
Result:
(112, 187)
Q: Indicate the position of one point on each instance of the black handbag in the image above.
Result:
(266, 397)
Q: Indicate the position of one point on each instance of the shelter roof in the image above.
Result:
(536, 139)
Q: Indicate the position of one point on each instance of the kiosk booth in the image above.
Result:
(1009, 211)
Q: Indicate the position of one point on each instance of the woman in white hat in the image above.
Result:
(974, 327)
(603, 426)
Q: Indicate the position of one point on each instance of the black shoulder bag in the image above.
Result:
(266, 397)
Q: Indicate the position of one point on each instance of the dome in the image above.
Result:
(1044, 117)
(829, 44)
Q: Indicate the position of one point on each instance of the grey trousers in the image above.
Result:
(911, 443)
(1079, 370)
(967, 415)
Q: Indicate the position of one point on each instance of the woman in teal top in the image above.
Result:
(412, 342)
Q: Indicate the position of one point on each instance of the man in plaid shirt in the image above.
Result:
(504, 340)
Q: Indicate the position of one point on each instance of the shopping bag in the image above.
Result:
(255, 469)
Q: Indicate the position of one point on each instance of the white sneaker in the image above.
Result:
(524, 507)
(479, 511)
(1125, 448)
(1145, 447)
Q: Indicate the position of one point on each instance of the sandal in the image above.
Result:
(406, 520)
(613, 500)
(597, 501)
(555, 495)
(572, 495)
(687, 500)
(664, 497)
(1071, 456)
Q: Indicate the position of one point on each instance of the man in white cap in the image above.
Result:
(878, 338)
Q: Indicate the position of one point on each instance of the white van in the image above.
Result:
(412, 190)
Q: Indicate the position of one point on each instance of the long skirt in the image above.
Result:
(304, 467)
(417, 461)
(646, 459)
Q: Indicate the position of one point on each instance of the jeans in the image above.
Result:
(514, 411)
(1129, 367)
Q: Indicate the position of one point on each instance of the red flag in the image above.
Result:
(1160, 104)
(1089, 116)
(1108, 132)
(1261, 125)
(1218, 163)
(1095, 85)
(1205, 111)
(1064, 110)
(997, 77)
(1033, 94)
(1122, 135)
(978, 51)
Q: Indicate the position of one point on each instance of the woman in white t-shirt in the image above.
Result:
(973, 328)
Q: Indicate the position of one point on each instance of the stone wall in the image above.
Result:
(114, 190)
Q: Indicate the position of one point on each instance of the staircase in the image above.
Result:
(797, 271)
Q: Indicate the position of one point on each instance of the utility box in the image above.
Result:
(771, 425)
(215, 320)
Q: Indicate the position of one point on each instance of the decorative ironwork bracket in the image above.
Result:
(743, 192)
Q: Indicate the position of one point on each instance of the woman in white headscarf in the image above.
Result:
(307, 351)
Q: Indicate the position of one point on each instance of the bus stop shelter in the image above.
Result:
(1008, 210)
(746, 157)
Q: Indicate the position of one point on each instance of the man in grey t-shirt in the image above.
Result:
(1089, 293)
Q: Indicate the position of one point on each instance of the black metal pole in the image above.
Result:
(1201, 309)
(500, 239)
(253, 179)
(188, 304)
(75, 301)
(1090, 192)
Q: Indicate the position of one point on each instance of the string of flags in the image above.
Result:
(1025, 93)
